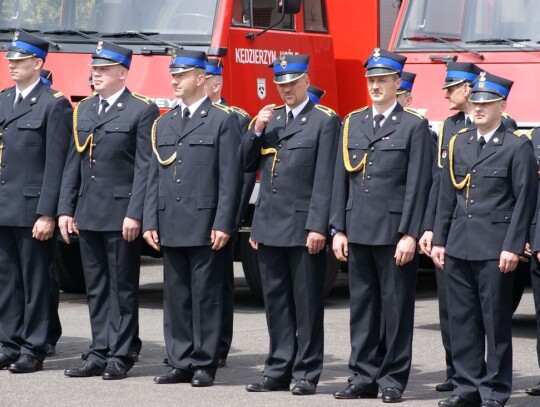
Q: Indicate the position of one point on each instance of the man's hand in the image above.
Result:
(425, 242)
(527, 254)
(253, 244)
(405, 250)
(437, 255)
(263, 118)
(218, 239)
(67, 226)
(131, 229)
(151, 237)
(340, 246)
(43, 228)
(315, 242)
(508, 261)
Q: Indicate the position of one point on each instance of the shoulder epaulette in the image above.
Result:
(465, 130)
(278, 107)
(57, 95)
(357, 111)
(506, 115)
(3, 90)
(325, 109)
(222, 107)
(518, 133)
(531, 131)
(145, 99)
(240, 111)
(413, 112)
(169, 111)
(252, 122)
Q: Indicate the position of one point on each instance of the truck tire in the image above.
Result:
(69, 268)
(250, 264)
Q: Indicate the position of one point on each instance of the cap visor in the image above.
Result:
(179, 69)
(484, 97)
(380, 72)
(287, 78)
(103, 62)
(17, 55)
(448, 84)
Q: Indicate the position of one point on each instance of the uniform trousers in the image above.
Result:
(192, 292)
(380, 292)
(535, 283)
(111, 271)
(55, 327)
(227, 312)
(444, 322)
(25, 297)
(480, 312)
(293, 291)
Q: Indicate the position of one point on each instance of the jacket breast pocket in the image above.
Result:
(501, 216)
(118, 135)
(393, 153)
(166, 145)
(300, 151)
(29, 132)
(201, 148)
(494, 180)
(357, 150)
(460, 172)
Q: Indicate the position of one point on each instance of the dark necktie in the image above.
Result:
(378, 119)
(468, 121)
(186, 114)
(480, 145)
(290, 118)
(104, 106)
(19, 100)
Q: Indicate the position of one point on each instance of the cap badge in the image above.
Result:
(15, 35)
(376, 54)
(283, 62)
(99, 47)
(482, 79)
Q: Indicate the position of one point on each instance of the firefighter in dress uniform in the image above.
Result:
(35, 129)
(103, 190)
(486, 204)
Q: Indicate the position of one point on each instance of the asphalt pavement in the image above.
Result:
(246, 360)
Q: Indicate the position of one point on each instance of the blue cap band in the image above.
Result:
(295, 66)
(406, 85)
(384, 61)
(199, 63)
(29, 48)
(214, 70)
(314, 98)
(493, 87)
(468, 76)
(108, 54)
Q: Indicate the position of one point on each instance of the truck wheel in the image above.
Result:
(250, 263)
(69, 268)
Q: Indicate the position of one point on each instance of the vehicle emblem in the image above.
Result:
(261, 88)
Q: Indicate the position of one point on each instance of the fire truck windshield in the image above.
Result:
(178, 20)
(473, 25)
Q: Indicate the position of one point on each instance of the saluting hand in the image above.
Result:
(219, 239)
(508, 261)
(315, 242)
(152, 238)
(43, 228)
(131, 229)
(263, 118)
(437, 255)
(340, 246)
(405, 250)
(67, 226)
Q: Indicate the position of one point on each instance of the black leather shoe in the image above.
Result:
(354, 392)
(202, 378)
(454, 401)
(134, 355)
(267, 384)
(392, 395)
(446, 386)
(533, 391)
(491, 403)
(166, 362)
(174, 376)
(5, 361)
(25, 364)
(114, 371)
(304, 387)
(222, 362)
(87, 369)
(50, 350)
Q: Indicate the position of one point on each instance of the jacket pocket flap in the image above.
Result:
(495, 172)
(460, 170)
(201, 140)
(122, 192)
(393, 145)
(501, 216)
(358, 144)
(302, 205)
(84, 126)
(167, 141)
(32, 190)
(161, 203)
(29, 124)
(300, 143)
(117, 127)
(206, 202)
(395, 205)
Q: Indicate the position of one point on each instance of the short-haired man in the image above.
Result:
(486, 204)
(381, 186)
